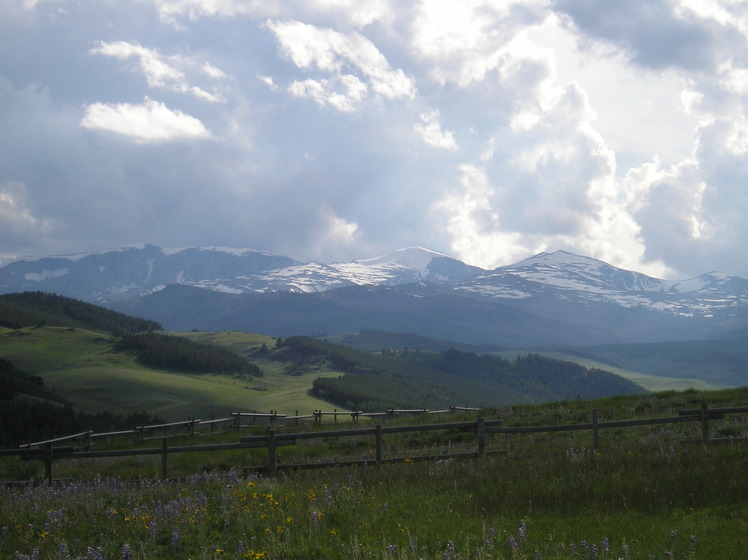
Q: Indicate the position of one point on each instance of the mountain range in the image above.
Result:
(550, 299)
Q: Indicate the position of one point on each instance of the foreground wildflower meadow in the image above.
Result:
(652, 500)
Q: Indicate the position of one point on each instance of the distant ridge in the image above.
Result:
(553, 298)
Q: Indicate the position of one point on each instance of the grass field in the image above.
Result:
(644, 494)
(81, 366)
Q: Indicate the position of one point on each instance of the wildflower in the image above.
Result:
(512, 542)
(174, 540)
(391, 549)
(126, 552)
(522, 532)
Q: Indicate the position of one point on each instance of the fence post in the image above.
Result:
(595, 430)
(164, 458)
(272, 453)
(481, 427)
(48, 462)
(705, 421)
(297, 419)
(378, 433)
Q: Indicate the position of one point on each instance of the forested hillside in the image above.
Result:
(38, 308)
(179, 353)
(414, 379)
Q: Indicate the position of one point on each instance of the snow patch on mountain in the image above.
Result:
(45, 274)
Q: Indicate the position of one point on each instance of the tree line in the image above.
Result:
(178, 353)
(29, 309)
(414, 379)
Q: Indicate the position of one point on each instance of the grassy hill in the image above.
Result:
(38, 308)
(97, 371)
(84, 367)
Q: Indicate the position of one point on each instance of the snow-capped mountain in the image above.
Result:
(134, 271)
(550, 298)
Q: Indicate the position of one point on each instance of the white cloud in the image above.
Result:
(161, 71)
(432, 133)
(344, 12)
(463, 41)
(475, 225)
(342, 93)
(18, 224)
(336, 55)
(150, 121)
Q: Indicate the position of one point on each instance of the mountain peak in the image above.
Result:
(416, 258)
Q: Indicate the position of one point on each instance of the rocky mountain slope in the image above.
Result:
(548, 299)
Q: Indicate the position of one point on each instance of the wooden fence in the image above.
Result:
(49, 452)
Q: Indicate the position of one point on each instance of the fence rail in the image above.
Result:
(47, 451)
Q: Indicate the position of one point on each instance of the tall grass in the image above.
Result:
(642, 494)
(644, 500)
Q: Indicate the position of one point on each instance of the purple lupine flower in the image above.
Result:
(94, 554)
(572, 549)
(594, 552)
(522, 532)
(537, 555)
(391, 549)
(451, 553)
(126, 552)
(512, 542)
(174, 539)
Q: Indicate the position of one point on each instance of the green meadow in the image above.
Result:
(82, 366)
(647, 492)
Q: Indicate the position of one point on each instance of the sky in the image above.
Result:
(331, 130)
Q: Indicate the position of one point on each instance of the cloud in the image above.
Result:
(18, 224)
(489, 129)
(653, 33)
(160, 71)
(463, 42)
(337, 54)
(342, 12)
(150, 121)
(432, 133)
